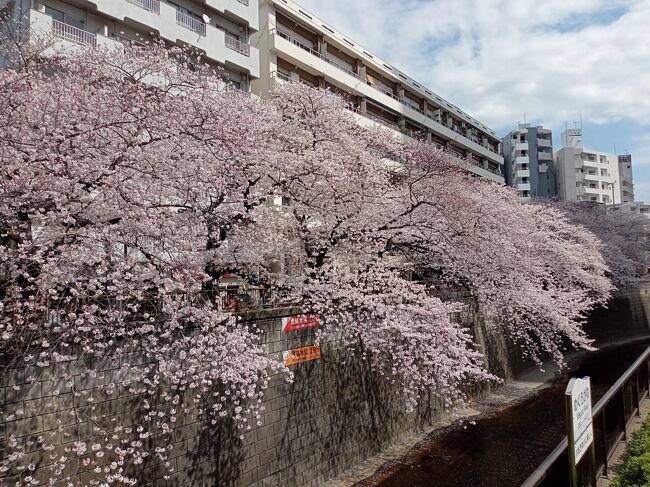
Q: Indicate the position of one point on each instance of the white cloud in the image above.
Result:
(496, 59)
(555, 60)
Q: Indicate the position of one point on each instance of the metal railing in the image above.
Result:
(282, 76)
(392, 125)
(74, 34)
(612, 416)
(314, 52)
(190, 22)
(237, 45)
(376, 86)
(150, 5)
(238, 299)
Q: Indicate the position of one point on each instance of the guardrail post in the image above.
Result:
(647, 375)
(604, 445)
(624, 420)
(638, 393)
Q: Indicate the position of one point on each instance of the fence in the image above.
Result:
(74, 34)
(190, 23)
(237, 45)
(151, 5)
(612, 416)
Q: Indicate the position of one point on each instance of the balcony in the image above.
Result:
(73, 34)
(544, 142)
(520, 146)
(519, 160)
(247, 11)
(312, 51)
(312, 61)
(164, 20)
(71, 37)
(544, 156)
(522, 173)
(370, 120)
(523, 187)
(150, 5)
(237, 45)
(358, 85)
(190, 23)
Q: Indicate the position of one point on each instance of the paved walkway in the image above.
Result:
(497, 399)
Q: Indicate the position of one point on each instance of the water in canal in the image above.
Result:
(503, 449)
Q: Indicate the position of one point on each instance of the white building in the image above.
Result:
(585, 174)
(635, 207)
(295, 45)
(219, 29)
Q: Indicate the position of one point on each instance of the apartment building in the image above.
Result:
(639, 207)
(627, 182)
(297, 46)
(528, 161)
(219, 29)
(584, 174)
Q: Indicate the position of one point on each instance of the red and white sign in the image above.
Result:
(307, 321)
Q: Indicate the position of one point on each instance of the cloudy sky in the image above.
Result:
(554, 60)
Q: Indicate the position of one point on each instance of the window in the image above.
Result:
(64, 17)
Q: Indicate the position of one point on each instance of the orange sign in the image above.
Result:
(299, 355)
(308, 321)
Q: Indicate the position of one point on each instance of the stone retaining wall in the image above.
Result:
(333, 415)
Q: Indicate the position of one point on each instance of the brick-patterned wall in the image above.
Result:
(333, 415)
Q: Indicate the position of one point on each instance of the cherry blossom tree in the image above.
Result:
(530, 271)
(120, 174)
(133, 181)
(622, 235)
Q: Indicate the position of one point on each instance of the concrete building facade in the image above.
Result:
(220, 29)
(528, 162)
(297, 46)
(586, 175)
(627, 181)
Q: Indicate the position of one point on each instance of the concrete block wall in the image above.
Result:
(332, 416)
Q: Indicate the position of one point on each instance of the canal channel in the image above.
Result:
(503, 448)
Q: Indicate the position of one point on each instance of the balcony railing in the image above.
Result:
(150, 5)
(311, 50)
(190, 23)
(74, 34)
(377, 87)
(394, 126)
(237, 45)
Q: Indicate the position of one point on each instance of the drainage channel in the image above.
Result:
(502, 449)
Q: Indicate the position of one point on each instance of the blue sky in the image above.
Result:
(555, 61)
